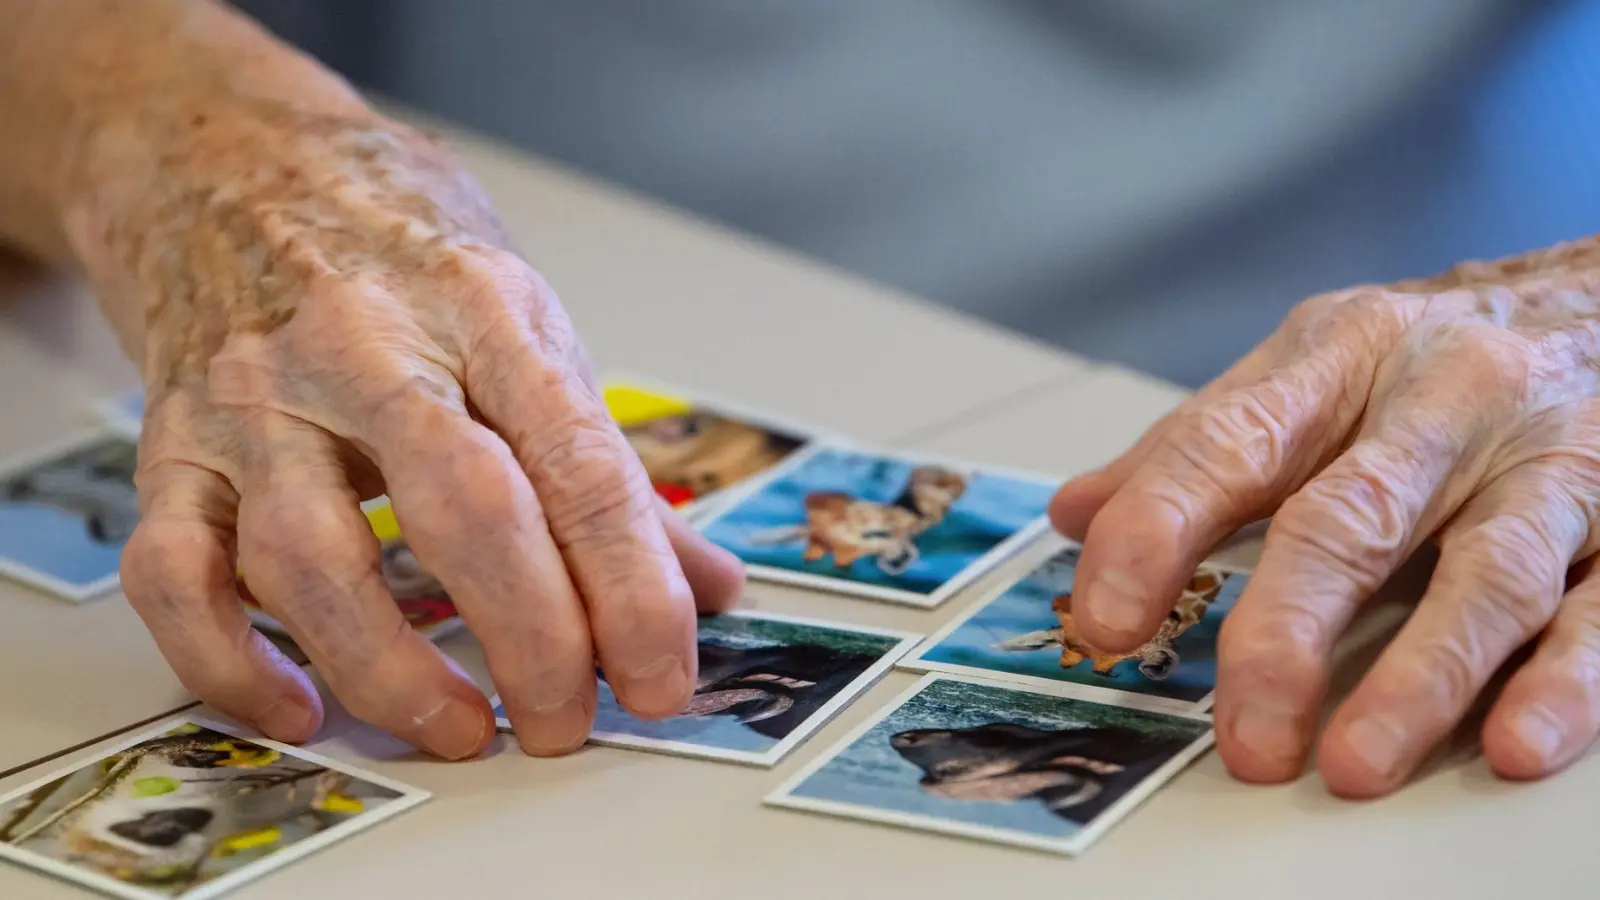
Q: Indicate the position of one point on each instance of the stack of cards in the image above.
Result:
(189, 810)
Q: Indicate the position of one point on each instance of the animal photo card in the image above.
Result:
(66, 513)
(1003, 763)
(767, 682)
(190, 810)
(694, 449)
(1025, 633)
(877, 525)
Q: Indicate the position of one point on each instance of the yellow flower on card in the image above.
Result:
(336, 802)
(246, 756)
(247, 840)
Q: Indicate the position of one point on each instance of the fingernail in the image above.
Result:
(455, 730)
(1116, 602)
(1268, 732)
(660, 688)
(289, 719)
(556, 728)
(1541, 730)
(1378, 742)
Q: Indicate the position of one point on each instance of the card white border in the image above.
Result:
(813, 723)
(916, 660)
(711, 503)
(783, 796)
(409, 798)
(65, 590)
(954, 585)
(114, 418)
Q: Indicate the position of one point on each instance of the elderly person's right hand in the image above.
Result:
(1463, 410)
(324, 308)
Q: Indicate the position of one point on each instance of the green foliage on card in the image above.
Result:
(154, 786)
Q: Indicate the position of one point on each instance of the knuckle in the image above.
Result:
(479, 474)
(1356, 515)
(290, 544)
(514, 307)
(588, 481)
(149, 568)
(1279, 645)
(1513, 575)
(1240, 439)
(1575, 640)
(470, 485)
(363, 673)
(1447, 668)
(219, 674)
(1316, 309)
(1351, 326)
(1492, 362)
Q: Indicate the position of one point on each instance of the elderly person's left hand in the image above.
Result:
(1461, 410)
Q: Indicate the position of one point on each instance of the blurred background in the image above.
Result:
(1152, 182)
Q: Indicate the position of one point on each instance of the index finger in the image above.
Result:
(1222, 465)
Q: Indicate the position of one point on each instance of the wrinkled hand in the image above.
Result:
(1461, 409)
(325, 309)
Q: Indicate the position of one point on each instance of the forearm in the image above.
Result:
(92, 90)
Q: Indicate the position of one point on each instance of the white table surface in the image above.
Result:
(643, 283)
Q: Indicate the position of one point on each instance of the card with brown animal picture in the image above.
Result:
(999, 762)
(696, 448)
(1024, 632)
(877, 525)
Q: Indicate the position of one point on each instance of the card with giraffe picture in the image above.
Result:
(190, 809)
(881, 526)
(1024, 633)
(696, 448)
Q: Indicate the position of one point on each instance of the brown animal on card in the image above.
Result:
(700, 452)
(853, 529)
(1156, 657)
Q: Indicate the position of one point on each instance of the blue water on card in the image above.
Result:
(1025, 608)
(993, 508)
